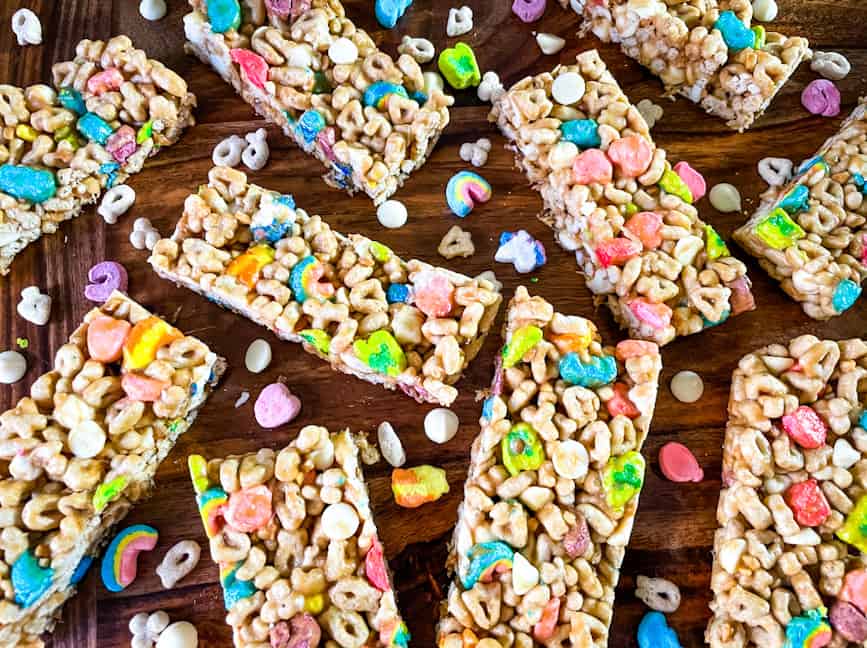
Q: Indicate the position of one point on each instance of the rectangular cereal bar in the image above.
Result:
(553, 485)
(349, 300)
(294, 537)
(789, 554)
(112, 108)
(370, 120)
(83, 448)
(610, 195)
(812, 237)
(707, 51)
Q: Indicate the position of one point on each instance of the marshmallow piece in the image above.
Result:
(143, 235)
(152, 9)
(343, 52)
(228, 152)
(421, 49)
(476, 153)
(550, 43)
(34, 306)
(390, 445)
(392, 214)
(258, 356)
(339, 521)
(13, 366)
(255, 155)
(725, 197)
(845, 456)
(460, 21)
(27, 27)
(568, 88)
(441, 425)
(490, 89)
(181, 634)
(524, 575)
(116, 202)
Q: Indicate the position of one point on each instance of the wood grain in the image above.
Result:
(675, 524)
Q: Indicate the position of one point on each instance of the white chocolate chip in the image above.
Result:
(441, 425)
(764, 10)
(181, 634)
(27, 27)
(390, 445)
(524, 575)
(258, 356)
(86, 440)
(725, 197)
(570, 459)
(152, 9)
(392, 214)
(775, 171)
(421, 49)
(343, 52)
(687, 386)
(13, 366)
(845, 456)
(568, 88)
(831, 65)
(550, 43)
(34, 306)
(339, 521)
(460, 21)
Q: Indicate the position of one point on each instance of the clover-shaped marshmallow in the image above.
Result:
(255, 155)
(34, 306)
(460, 21)
(476, 153)
(143, 235)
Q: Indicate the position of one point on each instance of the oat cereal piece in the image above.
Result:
(110, 109)
(706, 50)
(811, 235)
(370, 121)
(456, 243)
(83, 448)
(553, 485)
(613, 198)
(297, 545)
(351, 301)
(792, 512)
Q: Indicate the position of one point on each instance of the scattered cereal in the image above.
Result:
(679, 464)
(119, 563)
(831, 65)
(465, 190)
(179, 561)
(568, 88)
(651, 112)
(13, 366)
(459, 66)
(460, 21)
(152, 9)
(420, 49)
(392, 214)
(441, 425)
(105, 277)
(488, 275)
(658, 594)
(146, 628)
(276, 406)
(388, 12)
(764, 10)
(549, 43)
(35, 306)
(521, 250)
(228, 151)
(418, 485)
(390, 445)
(256, 153)
(456, 243)
(654, 632)
(725, 197)
(143, 235)
(242, 399)
(476, 153)
(258, 356)
(529, 10)
(27, 27)
(180, 634)
(775, 171)
(687, 386)
(821, 97)
(116, 202)
(490, 88)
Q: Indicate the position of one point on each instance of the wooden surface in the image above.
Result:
(675, 525)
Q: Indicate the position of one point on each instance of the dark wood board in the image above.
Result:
(675, 525)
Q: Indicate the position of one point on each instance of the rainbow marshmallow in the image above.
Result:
(119, 561)
(305, 280)
(466, 190)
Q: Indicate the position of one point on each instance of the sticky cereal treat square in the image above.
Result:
(110, 109)
(709, 52)
(553, 485)
(294, 536)
(351, 301)
(811, 236)
(83, 448)
(370, 120)
(612, 197)
(789, 554)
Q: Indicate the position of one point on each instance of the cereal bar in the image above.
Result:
(294, 536)
(812, 237)
(788, 556)
(303, 65)
(112, 108)
(84, 447)
(351, 301)
(611, 196)
(553, 485)
(705, 50)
